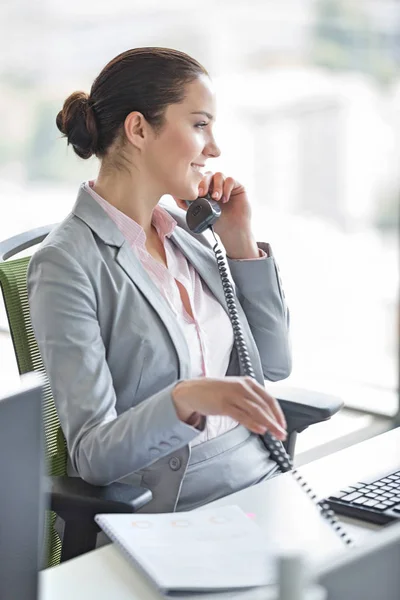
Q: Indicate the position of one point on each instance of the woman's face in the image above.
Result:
(177, 155)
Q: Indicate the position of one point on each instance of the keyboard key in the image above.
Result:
(351, 497)
(371, 495)
(389, 503)
(380, 507)
(396, 508)
(358, 486)
(348, 490)
(370, 503)
(361, 500)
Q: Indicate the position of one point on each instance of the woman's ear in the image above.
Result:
(136, 129)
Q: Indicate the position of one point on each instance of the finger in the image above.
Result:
(260, 417)
(217, 186)
(205, 183)
(265, 407)
(246, 420)
(259, 421)
(269, 419)
(229, 184)
(271, 402)
(251, 398)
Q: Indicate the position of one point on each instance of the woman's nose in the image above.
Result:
(212, 150)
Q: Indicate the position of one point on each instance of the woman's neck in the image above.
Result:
(130, 194)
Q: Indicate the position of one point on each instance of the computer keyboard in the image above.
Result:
(376, 501)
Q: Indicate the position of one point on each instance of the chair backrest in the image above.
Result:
(15, 294)
(13, 283)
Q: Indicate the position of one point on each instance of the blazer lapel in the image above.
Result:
(204, 261)
(88, 210)
(132, 266)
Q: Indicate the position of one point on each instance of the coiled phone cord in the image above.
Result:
(275, 446)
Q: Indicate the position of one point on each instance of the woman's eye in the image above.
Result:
(201, 125)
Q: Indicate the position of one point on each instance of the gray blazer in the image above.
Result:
(114, 351)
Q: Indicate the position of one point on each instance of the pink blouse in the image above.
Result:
(209, 333)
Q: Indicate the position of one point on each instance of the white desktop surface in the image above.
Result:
(105, 573)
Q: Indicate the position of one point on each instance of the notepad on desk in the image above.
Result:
(208, 550)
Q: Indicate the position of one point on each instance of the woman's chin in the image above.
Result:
(189, 194)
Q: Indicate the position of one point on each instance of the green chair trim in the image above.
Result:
(14, 287)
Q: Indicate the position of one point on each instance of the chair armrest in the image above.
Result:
(305, 407)
(79, 500)
(77, 503)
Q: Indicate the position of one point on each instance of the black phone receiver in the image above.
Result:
(202, 213)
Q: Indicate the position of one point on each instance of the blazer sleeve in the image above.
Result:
(259, 290)
(102, 445)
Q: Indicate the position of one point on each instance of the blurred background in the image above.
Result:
(308, 119)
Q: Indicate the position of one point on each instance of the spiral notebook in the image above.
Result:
(207, 550)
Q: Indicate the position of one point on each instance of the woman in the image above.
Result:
(127, 304)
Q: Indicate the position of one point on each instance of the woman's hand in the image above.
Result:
(234, 224)
(241, 398)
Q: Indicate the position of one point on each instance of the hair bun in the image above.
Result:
(77, 122)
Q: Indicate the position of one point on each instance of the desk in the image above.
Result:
(104, 573)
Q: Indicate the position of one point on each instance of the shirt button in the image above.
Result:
(175, 439)
(175, 463)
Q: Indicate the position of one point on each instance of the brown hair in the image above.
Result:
(146, 80)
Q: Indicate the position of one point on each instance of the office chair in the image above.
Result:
(74, 500)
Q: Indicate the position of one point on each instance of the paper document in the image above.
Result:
(213, 549)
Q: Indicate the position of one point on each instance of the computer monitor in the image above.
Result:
(21, 482)
(371, 572)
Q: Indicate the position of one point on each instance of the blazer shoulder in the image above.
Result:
(71, 235)
(68, 249)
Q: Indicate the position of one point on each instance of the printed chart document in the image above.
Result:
(215, 549)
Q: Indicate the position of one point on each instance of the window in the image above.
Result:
(309, 120)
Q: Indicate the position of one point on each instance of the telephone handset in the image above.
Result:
(201, 215)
